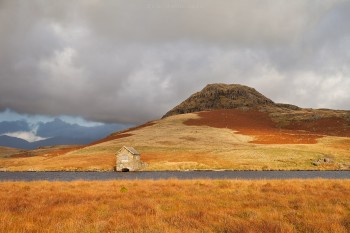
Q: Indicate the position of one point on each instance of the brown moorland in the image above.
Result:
(7, 152)
(253, 123)
(332, 126)
(47, 151)
(176, 206)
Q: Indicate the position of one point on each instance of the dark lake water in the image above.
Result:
(182, 175)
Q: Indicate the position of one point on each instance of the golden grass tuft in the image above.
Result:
(176, 206)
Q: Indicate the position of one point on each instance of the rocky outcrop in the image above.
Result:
(222, 96)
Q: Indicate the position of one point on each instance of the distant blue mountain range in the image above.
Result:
(56, 132)
(13, 126)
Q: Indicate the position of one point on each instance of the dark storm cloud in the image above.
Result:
(131, 61)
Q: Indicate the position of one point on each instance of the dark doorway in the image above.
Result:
(125, 169)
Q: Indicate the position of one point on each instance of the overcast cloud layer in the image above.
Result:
(130, 61)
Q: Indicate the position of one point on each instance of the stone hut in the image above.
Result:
(128, 159)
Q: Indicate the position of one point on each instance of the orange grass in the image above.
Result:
(176, 206)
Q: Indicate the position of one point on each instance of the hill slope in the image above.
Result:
(6, 151)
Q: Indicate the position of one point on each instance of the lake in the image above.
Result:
(182, 175)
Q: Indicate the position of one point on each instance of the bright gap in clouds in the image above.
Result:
(10, 115)
(28, 136)
(34, 128)
(34, 120)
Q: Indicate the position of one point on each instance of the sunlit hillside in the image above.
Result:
(198, 141)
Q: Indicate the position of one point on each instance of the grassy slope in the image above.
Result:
(176, 206)
(169, 144)
(6, 151)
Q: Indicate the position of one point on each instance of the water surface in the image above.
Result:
(182, 175)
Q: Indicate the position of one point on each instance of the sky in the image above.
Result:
(130, 61)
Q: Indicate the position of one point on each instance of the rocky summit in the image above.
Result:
(222, 96)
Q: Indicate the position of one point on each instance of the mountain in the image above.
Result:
(243, 98)
(7, 141)
(59, 128)
(13, 142)
(56, 132)
(13, 126)
(231, 127)
(225, 96)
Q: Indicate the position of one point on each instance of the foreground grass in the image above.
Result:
(176, 206)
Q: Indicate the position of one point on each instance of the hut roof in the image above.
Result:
(131, 150)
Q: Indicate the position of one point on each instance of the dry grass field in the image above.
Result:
(176, 206)
(221, 139)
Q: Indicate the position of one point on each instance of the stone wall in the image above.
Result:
(126, 160)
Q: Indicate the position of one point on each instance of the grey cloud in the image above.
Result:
(131, 61)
